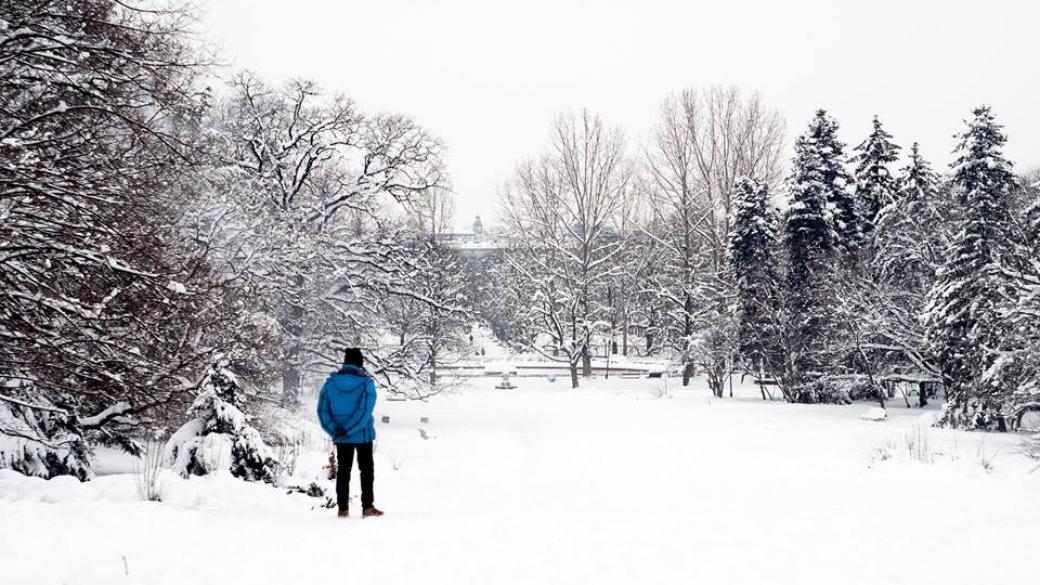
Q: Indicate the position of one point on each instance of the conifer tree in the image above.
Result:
(220, 438)
(964, 309)
(811, 240)
(875, 185)
(753, 247)
(909, 236)
(820, 144)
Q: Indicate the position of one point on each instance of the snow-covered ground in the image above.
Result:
(617, 482)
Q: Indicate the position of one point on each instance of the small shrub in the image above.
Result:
(912, 446)
(986, 457)
(312, 489)
(917, 446)
(288, 453)
(148, 472)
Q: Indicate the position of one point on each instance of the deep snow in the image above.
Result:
(617, 482)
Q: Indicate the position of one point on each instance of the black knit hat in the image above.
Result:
(352, 357)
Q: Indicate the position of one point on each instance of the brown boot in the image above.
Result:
(343, 512)
(371, 511)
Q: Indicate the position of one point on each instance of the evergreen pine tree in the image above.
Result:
(875, 185)
(820, 144)
(964, 309)
(909, 239)
(753, 247)
(811, 240)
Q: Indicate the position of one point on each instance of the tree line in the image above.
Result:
(821, 278)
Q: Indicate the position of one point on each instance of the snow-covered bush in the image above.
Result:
(825, 390)
(220, 437)
(61, 451)
(841, 389)
(972, 415)
(859, 388)
(288, 454)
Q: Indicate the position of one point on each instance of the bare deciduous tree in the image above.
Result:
(562, 205)
(308, 175)
(703, 143)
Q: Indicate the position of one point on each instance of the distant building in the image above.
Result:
(475, 243)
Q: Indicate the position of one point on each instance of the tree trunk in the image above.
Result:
(624, 335)
(687, 373)
(292, 377)
(716, 380)
(586, 361)
(433, 368)
(574, 374)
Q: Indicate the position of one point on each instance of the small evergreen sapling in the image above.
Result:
(220, 438)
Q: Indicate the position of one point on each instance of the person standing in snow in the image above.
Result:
(345, 408)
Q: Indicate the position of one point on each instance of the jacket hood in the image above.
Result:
(349, 380)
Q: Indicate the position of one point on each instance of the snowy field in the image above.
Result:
(617, 482)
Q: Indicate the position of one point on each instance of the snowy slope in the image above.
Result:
(607, 484)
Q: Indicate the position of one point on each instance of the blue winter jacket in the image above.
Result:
(345, 406)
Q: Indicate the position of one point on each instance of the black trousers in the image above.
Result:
(345, 458)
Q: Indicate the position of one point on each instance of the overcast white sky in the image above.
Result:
(489, 77)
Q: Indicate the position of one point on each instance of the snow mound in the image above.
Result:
(876, 414)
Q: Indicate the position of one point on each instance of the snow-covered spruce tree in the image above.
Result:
(755, 263)
(964, 315)
(875, 185)
(1018, 365)
(811, 241)
(821, 148)
(220, 438)
(912, 232)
